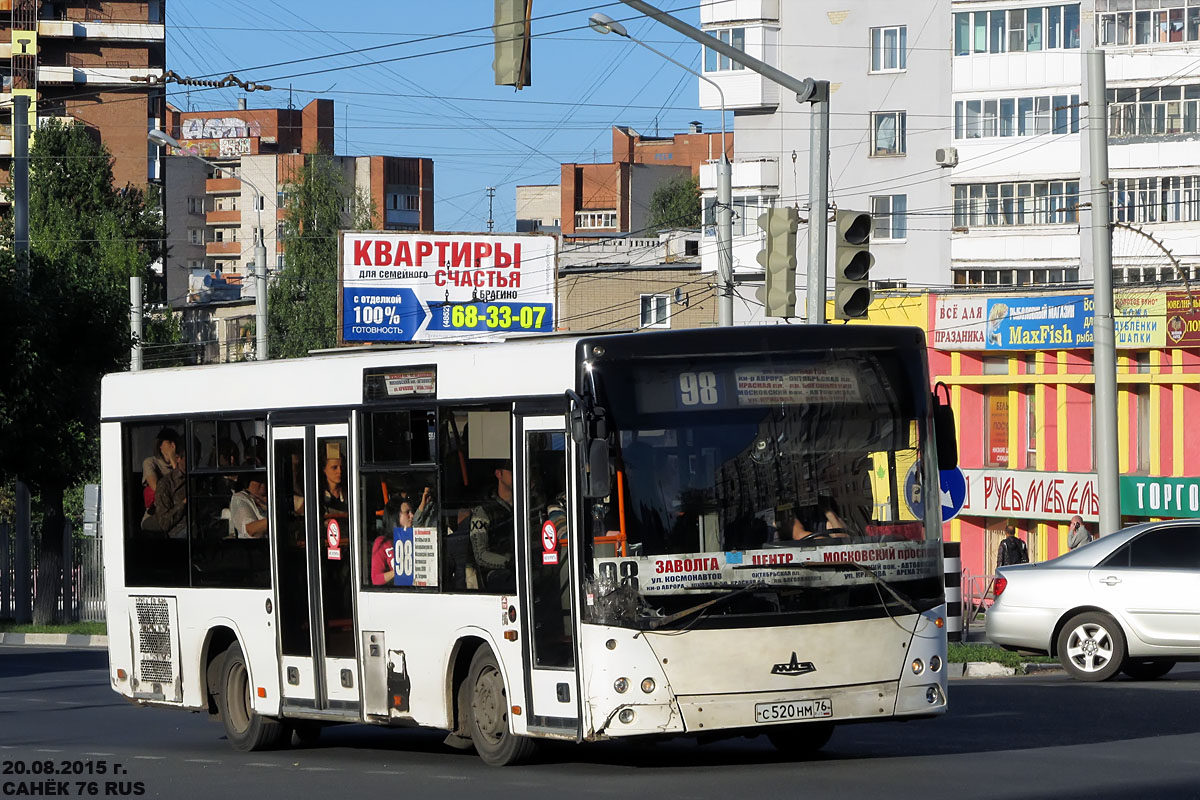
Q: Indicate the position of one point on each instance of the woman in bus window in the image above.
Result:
(333, 492)
(159, 463)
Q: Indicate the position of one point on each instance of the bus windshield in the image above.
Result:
(792, 483)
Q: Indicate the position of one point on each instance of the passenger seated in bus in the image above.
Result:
(492, 534)
(461, 572)
(248, 509)
(159, 463)
(168, 514)
(828, 524)
(383, 569)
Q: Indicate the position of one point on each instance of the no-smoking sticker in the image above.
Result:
(549, 543)
(333, 537)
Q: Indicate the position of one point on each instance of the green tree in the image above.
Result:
(67, 325)
(675, 204)
(302, 299)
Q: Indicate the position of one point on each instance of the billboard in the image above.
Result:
(445, 287)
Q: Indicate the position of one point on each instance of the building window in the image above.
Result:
(195, 205)
(987, 205)
(1154, 110)
(1142, 22)
(887, 133)
(1016, 276)
(260, 202)
(1016, 116)
(716, 62)
(595, 219)
(1018, 30)
(412, 202)
(889, 49)
(280, 199)
(890, 212)
(195, 236)
(656, 311)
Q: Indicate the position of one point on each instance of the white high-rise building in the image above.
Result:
(960, 124)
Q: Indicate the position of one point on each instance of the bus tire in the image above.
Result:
(494, 741)
(801, 740)
(245, 728)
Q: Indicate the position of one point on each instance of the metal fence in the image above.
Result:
(83, 596)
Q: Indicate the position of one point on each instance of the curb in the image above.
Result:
(993, 669)
(54, 639)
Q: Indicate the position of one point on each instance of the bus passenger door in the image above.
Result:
(552, 679)
(314, 558)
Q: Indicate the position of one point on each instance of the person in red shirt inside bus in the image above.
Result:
(383, 570)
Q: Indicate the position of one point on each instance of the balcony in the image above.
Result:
(223, 186)
(122, 31)
(223, 217)
(714, 12)
(762, 173)
(744, 88)
(95, 75)
(223, 249)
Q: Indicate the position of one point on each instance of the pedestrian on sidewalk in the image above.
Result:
(1012, 550)
(1079, 534)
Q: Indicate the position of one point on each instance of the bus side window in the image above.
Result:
(152, 558)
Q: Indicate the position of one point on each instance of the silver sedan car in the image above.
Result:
(1127, 602)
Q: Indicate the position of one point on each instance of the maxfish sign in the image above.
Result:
(437, 287)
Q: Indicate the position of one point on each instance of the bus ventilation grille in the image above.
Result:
(154, 641)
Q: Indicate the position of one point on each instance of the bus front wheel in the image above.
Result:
(245, 728)
(496, 744)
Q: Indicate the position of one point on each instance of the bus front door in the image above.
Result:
(314, 558)
(551, 676)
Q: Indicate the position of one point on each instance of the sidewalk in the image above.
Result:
(992, 669)
(54, 639)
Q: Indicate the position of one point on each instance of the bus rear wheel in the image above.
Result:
(801, 740)
(496, 744)
(245, 728)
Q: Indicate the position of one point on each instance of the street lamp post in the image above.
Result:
(261, 351)
(602, 23)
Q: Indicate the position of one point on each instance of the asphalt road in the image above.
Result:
(1044, 736)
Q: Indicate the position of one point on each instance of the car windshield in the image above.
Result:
(732, 475)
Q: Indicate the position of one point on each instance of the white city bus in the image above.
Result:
(710, 532)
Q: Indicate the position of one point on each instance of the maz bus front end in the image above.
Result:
(762, 559)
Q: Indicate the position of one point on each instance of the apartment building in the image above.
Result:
(214, 209)
(614, 197)
(888, 65)
(75, 59)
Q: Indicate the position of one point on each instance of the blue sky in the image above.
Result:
(444, 105)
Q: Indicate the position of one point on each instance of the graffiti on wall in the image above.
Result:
(219, 128)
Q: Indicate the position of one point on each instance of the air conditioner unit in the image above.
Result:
(946, 156)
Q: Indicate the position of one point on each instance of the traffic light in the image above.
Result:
(852, 265)
(778, 258)
(511, 49)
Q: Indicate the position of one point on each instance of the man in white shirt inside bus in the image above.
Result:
(248, 509)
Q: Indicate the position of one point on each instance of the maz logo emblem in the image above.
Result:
(793, 667)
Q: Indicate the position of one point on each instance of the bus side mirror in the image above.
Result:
(597, 477)
(944, 430)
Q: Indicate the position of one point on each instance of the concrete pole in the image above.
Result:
(818, 201)
(23, 591)
(725, 237)
(261, 351)
(135, 323)
(1104, 360)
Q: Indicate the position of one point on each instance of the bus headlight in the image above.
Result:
(626, 716)
(935, 663)
(648, 685)
(932, 695)
(621, 685)
(918, 666)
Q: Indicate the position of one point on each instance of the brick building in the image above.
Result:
(604, 199)
(74, 59)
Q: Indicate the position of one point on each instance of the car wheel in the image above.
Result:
(1147, 669)
(245, 728)
(801, 741)
(1091, 647)
(495, 743)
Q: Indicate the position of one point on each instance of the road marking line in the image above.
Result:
(46, 750)
(383, 772)
(63, 703)
(451, 777)
(196, 760)
(320, 769)
(152, 758)
(99, 754)
(260, 764)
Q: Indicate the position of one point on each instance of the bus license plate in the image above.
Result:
(798, 709)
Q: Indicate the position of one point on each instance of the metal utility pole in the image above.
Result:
(807, 90)
(1104, 354)
(135, 323)
(23, 611)
(818, 203)
(261, 347)
(491, 192)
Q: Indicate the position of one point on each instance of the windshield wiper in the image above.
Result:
(739, 590)
(844, 566)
